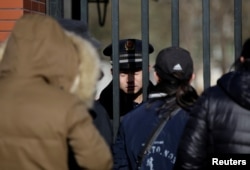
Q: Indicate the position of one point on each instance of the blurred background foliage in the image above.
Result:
(221, 27)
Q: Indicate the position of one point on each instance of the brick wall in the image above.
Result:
(11, 10)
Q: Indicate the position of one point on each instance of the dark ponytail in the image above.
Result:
(186, 95)
(175, 86)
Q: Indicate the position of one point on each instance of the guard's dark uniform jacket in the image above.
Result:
(126, 100)
(136, 128)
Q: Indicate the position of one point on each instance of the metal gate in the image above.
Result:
(175, 40)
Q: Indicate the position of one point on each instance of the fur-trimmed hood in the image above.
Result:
(38, 47)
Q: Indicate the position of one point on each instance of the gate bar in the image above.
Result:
(145, 48)
(237, 27)
(84, 10)
(175, 22)
(206, 42)
(115, 61)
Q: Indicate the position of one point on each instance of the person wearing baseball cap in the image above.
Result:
(174, 60)
(131, 83)
(155, 127)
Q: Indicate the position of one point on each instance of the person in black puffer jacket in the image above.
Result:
(219, 121)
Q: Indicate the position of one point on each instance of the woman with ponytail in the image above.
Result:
(149, 135)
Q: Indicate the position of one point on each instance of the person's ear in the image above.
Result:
(242, 59)
(150, 68)
(192, 78)
(156, 77)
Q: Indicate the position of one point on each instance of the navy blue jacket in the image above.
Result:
(136, 128)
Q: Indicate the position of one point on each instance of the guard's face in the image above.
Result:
(131, 81)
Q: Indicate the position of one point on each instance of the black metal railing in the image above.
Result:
(56, 9)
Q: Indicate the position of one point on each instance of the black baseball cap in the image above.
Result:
(174, 59)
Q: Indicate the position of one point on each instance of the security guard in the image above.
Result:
(130, 62)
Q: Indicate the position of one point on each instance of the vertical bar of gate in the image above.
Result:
(115, 61)
(237, 27)
(47, 6)
(175, 22)
(206, 42)
(55, 8)
(84, 10)
(145, 48)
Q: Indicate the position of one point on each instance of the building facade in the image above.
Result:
(12, 10)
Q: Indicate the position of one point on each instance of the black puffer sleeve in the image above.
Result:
(194, 144)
